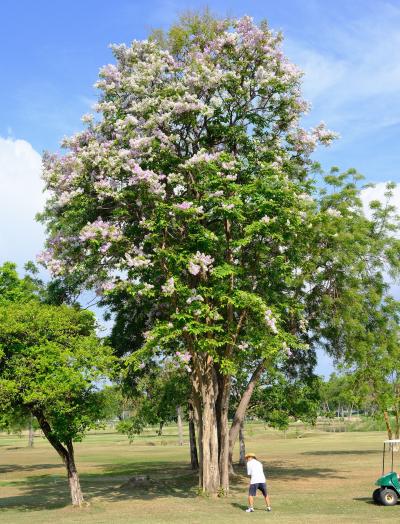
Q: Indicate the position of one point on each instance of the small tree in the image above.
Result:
(373, 358)
(157, 398)
(50, 365)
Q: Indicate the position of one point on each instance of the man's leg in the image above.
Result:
(263, 489)
(252, 492)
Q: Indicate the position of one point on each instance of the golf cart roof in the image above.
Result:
(395, 441)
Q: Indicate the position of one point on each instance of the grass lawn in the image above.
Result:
(320, 477)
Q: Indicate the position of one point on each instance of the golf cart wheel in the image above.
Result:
(388, 497)
(376, 495)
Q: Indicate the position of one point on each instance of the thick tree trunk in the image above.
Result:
(206, 380)
(180, 429)
(241, 410)
(31, 435)
(160, 428)
(211, 477)
(194, 460)
(67, 456)
(242, 445)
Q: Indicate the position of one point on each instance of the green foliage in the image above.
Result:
(157, 394)
(338, 394)
(14, 289)
(52, 363)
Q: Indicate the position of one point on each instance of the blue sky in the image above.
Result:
(51, 52)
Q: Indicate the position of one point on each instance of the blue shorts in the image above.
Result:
(262, 486)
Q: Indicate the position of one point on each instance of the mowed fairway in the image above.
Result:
(321, 477)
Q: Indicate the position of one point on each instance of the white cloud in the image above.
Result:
(21, 238)
(352, 74)
(377, 192)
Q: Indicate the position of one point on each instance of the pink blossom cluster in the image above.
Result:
(49, 260)
(105, 185)
(184, 205)
(200, 262)
(100, 228)
(66, 197)
(187, 106)
(169, 287)
(178, 190)
(305, 142)
(105, 287)
(229, 165)
(270, 321)
(333, 212)
(217, 44)
(290, 72)
(153, 180)
(138, 261)
(217, 194)
(287, 349)
(249, 32)
(112, 77)
(194, 297)
(323, 134)
(184, 357)
(303, 324)
(60, 175)
(201, 157)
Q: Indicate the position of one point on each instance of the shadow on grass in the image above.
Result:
(366, 500)
(11, 468)
(280, 470)
(341, 452)
(51, 491)
(237, 505)
(167, 479)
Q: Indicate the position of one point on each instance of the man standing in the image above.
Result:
(257, 481)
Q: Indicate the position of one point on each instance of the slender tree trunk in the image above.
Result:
(180, 429)
(350, 412)
(31, 436)
(242, 445)
(388, 425)
(67, 456)
(241, 409)
(194, 460)
(224, 388)
(196, 398)
(160, 428)
(396, 413)
(73, 478)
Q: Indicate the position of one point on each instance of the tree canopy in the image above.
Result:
(191, 206)
(51, 365)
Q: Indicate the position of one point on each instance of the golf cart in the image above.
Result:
(389, 484)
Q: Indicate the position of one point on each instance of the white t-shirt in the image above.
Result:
(255, 470)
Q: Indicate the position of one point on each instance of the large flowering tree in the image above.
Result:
(190, 198)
